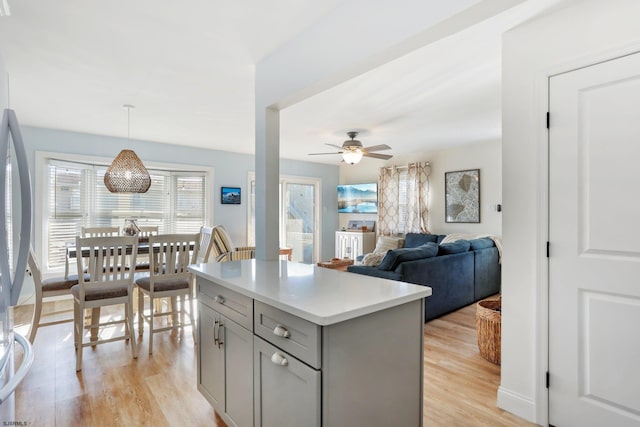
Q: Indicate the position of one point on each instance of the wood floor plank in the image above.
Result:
(460, 387)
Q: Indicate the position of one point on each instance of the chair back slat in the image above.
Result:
(174, 254)
(106, 259)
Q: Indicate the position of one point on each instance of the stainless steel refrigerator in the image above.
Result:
(15, 240)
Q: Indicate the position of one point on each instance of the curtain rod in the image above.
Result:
(405, 167)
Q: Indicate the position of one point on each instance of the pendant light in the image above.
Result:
(127, 174)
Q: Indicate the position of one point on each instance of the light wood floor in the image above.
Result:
(160, 390)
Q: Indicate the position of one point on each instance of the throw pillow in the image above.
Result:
(454, 247)
(386, 243)
(395, 257)
(373, 259)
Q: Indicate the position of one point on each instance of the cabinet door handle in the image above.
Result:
(279, 359)
(215, 332)
(219, 299)
(281, 331)
(220, 335)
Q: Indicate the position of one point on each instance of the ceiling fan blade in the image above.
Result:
(333, 145)
(320, 154)
(377, 148)
(378, 156)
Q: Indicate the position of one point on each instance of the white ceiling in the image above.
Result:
(189, 72)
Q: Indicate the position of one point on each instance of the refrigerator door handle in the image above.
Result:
(10, 125)
(27, 361)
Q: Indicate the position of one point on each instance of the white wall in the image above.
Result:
(486, 156)
(582, 33)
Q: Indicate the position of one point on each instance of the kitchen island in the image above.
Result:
(289, 344)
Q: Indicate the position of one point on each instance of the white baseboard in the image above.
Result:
(517, 404)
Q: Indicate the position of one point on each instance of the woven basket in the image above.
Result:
(488, 319)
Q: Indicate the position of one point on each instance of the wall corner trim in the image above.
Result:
(517, 404)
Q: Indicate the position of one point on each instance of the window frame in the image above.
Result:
(41, 196)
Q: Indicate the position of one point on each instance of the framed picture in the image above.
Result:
(462, 196)
(358, 198)
(230, 195)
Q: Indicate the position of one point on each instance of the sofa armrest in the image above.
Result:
(450, 277)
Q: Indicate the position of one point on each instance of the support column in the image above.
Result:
(267, 183)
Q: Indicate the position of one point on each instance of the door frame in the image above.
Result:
(542, 323)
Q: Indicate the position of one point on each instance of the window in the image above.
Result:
(76, 196)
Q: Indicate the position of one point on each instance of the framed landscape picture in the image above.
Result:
(230, 195)
(358, 198)
(462, 196)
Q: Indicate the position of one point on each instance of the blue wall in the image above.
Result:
(231, 169)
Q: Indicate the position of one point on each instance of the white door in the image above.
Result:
(594, 229)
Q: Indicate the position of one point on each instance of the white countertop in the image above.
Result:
(320, 295)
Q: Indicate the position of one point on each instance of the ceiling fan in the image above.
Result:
(352, 150)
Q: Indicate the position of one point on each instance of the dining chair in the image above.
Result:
(99, 231)
(223, 248)
(206, 244)
(145, 232)
(44, 289)
(108, 284)
(168, 277)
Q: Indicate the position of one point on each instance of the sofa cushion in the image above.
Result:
(454, 247)
(413, 240)
(386, 243)
(395, 257)
(482, 243)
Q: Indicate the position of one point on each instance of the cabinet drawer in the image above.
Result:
(292, 334)
(287, 392)
(233, 305)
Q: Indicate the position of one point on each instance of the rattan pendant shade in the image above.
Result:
(127, 174)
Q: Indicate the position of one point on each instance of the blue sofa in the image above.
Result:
(458, 273)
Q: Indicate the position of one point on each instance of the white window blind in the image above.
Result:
(175, 203)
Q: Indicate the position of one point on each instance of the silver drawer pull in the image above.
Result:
(279, 359)
(219, 299)
(281, 331)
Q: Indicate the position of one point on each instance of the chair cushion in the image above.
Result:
(60, 283)
(395, 257)
(163, 284)
(101, 291)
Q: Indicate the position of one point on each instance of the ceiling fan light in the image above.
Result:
(352, 156)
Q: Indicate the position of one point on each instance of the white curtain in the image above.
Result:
(403, 194)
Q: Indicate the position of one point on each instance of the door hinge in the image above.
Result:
(547, 379)
(548, 119)
(547, 249)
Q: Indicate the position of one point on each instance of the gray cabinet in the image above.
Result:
(262, 366)
(225, 366)
(287, 392)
